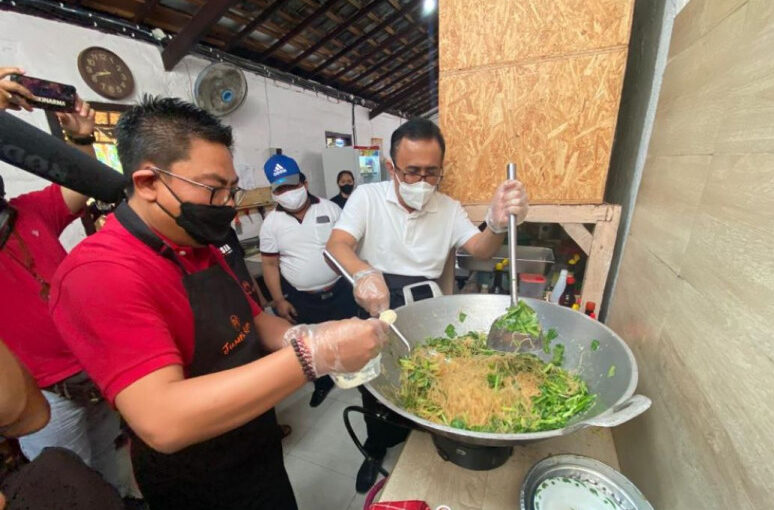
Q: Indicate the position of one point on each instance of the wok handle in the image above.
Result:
(635, 406)
(512, 223)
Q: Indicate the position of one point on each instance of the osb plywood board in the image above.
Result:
(700, 244)
(554, 118)
(473, 34)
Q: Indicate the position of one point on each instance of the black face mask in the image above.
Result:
(347, 188)
(206, 224)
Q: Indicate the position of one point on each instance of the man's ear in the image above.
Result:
(144, 181)
(390, 167)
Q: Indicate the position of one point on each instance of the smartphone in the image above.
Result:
(49, 95)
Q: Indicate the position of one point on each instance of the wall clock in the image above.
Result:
(105, 73)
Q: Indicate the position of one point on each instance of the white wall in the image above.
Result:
(273, 115)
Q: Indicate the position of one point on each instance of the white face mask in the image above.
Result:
(292, 200)
(416, 195)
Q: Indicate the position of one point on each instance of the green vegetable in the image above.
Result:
(562, 394)
(462, 316)
(611, 371)
(450, 331)
(520, 319)
(594, 345)
(548, 338)
(558, 355)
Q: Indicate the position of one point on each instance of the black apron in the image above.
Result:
(242, 469)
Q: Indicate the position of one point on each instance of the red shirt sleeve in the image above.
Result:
(48, 205)
(118, 336)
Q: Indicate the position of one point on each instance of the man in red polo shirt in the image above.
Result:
(30, 252)
(158, 320)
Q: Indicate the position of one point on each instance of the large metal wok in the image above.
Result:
(615, 403)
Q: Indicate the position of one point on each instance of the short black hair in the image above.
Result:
(416, 129)
(338, 177)
(301, 177)
(160, 129)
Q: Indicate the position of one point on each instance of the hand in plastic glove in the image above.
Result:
(340, 346)
(510, 198)
(371, 291)
(286, 310)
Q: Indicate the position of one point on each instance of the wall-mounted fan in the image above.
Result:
(220, 88)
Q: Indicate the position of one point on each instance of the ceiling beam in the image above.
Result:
(143, 11)
(398, 98)
(190, 34)
(385, 22)
(248, 29)
(381, 46)
(335, 33)
(397, 78)
(321, 10)
(415, 44)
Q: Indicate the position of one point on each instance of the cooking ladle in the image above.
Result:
(329, 256)
(500, 338)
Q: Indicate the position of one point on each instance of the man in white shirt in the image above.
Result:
(303, 287)
(395, 233)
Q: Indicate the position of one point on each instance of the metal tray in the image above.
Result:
(576, 475)
(531, 259)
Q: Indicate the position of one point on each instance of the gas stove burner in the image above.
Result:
(470, 456)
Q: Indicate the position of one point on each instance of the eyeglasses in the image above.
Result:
(413, 174)
(218, 195)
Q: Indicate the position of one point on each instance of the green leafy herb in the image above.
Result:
(594, 345)
(558, 355)
(611, 371)
(462, 316)
(458, 423)
(548, 338)
(520, 319)
(450, 331)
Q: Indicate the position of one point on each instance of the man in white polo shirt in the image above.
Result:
(303, 287)
(395, 233)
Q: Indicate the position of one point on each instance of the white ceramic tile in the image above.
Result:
(351, 396)
(328, 443)
(296, 412)
(318, 488)
(357, 502)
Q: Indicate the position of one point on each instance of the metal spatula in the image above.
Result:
(500, 338)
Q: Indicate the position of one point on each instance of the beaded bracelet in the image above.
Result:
(304, 357)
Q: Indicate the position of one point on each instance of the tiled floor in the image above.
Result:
(321, 459)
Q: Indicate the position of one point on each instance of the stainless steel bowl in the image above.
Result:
(604, 482)
(616, 402)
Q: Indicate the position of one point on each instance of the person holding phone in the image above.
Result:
(30, 252)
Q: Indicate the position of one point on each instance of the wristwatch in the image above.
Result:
(80, 140)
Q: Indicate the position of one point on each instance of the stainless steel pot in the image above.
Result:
(615, 403)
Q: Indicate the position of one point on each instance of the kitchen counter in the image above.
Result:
(421, 474)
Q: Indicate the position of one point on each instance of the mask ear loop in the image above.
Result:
(173, 194)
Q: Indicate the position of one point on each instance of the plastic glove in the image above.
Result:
(371, 291)
(510, 198)
(340, 346)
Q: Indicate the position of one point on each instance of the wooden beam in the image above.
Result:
(335, 33)
(201, 22)
(393, 100)
(580, 235)
(322, 9)
(248, 29)
(143, 11)
(396, 78)
(600, 258)
(415, 44)
(385, 22)
(381, 46)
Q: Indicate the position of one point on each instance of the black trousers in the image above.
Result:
(383, 435)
